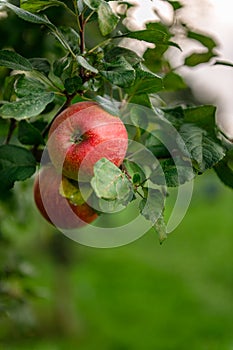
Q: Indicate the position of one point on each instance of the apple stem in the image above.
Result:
(77, 137)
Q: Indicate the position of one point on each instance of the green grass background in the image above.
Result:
(142, 296)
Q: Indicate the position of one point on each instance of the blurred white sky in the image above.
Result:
(213, 17)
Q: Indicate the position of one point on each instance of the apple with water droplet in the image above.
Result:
(83, 134)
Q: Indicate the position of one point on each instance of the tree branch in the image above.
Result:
(12, 127)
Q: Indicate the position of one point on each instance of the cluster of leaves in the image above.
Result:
(37, 89)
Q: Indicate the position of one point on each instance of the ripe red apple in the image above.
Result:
(81, 135)
(55, 208)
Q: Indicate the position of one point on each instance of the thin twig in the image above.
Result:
(10, 131)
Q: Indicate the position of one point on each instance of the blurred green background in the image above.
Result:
(141, 296)
(58, 295)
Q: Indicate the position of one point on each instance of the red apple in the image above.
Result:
(55, 208)
(81, 135)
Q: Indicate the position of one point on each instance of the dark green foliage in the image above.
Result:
(224, 169)
(16, 164)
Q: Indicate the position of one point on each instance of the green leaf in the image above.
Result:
(9, 86)
(173, 82)
(174, 175)
(145, 83)
(161, 229)
(39, 5)
(111, 106)
(135, 172)
(109, 182)
(13, 60)
(108, 206)
(152, 206)
(29, 135)
(138, 116)
(28, 86)
(106, 18)
(224, 169)
(127, 3)
(155, 33)
(176, 112)
(93, 4)
(151, 36)
(175, 4)
(154, 58)
(62, 66)
(95, 85)
(198, 58)
(69, 189)
(16, 164)
(62, 39)
(204, 151)
(143, 100)
(130, 56)
(39, 124)
(26, 15)
(26, 107)
(41, 65)
(203, 39)
(119, 73)
(83, 62)
(4, 129)
(158, 26)
(71, 38)
(156, 146)
(73, 84)
(201, 116)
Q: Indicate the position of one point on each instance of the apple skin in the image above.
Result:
(81, 135)
(55, 208)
